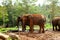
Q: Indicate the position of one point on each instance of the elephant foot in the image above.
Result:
(23, 30)
(43, 31)
(58, 29)
(31, 31)
(53, 29)
(39, 31)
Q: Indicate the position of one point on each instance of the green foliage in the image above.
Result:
(47, 26)
(9, 12)
(7, 29)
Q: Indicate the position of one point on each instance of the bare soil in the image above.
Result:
(48, 35)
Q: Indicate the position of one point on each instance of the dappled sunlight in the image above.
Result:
(48, 26)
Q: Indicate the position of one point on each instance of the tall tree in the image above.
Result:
(3, 15)
(53, 8)
(8, 5)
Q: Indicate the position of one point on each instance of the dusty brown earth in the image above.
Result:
(48, 35)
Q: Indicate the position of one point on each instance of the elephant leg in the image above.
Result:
(56, 28)
(31, 25)
(23, 28)
(41, 28)
(31, 29)
(53, 27)
(59, 28)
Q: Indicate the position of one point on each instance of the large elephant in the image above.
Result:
(31, 20)
(56, 23)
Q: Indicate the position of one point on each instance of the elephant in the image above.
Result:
(56, 23)
(31, 20)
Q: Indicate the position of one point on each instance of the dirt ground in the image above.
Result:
(48, 35)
